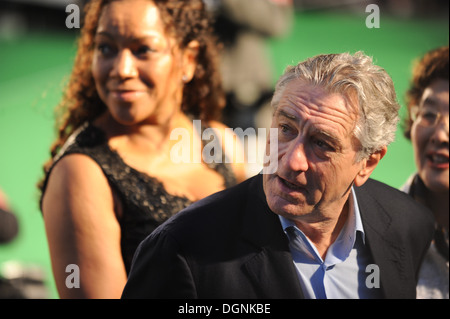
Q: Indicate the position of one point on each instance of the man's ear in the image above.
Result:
(368, 166)
(190, 60)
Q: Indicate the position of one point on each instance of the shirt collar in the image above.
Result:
(346, 239)
(358, 225)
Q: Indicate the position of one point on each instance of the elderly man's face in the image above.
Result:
(316, 153)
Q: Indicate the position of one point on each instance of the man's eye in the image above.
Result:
(284, 128)
(323, 145)
(286, 132)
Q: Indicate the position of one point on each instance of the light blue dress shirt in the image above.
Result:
(343, 272)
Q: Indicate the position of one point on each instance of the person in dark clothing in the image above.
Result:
(313, 224)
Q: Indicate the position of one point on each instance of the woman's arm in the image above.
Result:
(82, 229)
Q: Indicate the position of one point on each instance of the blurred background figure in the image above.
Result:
(243, 27)
(427, 126)
(17, 280)
(9, 226)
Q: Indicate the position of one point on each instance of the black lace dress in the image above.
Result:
(146, 203)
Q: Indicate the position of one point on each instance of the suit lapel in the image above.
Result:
(271, 268)
(273, 274)
(386, 252)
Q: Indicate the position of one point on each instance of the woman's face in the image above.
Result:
(429, 136)
(137, 67)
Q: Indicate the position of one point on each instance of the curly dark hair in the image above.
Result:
(185, 20)
(432, 66)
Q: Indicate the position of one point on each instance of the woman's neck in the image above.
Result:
(437, 202)
(150, 133)
(439, 205)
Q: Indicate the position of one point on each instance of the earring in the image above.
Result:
(184, 78)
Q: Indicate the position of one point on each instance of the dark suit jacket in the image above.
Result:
(231, 245)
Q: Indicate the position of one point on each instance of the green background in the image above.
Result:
(34, 66)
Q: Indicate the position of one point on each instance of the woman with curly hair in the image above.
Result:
(427, 127)
(143, 69)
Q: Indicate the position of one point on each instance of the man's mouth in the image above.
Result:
(290, 185)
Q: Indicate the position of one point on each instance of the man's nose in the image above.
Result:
(295, 157)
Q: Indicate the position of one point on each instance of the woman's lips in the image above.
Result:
(127, 95)
(438, 161)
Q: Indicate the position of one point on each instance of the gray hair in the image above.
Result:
(349, 74)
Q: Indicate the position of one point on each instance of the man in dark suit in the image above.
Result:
(313, 224)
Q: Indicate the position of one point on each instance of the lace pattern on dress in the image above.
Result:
(146, 203)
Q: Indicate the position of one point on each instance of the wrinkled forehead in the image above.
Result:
(312, 108)
(320, 98)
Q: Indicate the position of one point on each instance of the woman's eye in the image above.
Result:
(144, 50)
(429, 115)
(105, 49)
